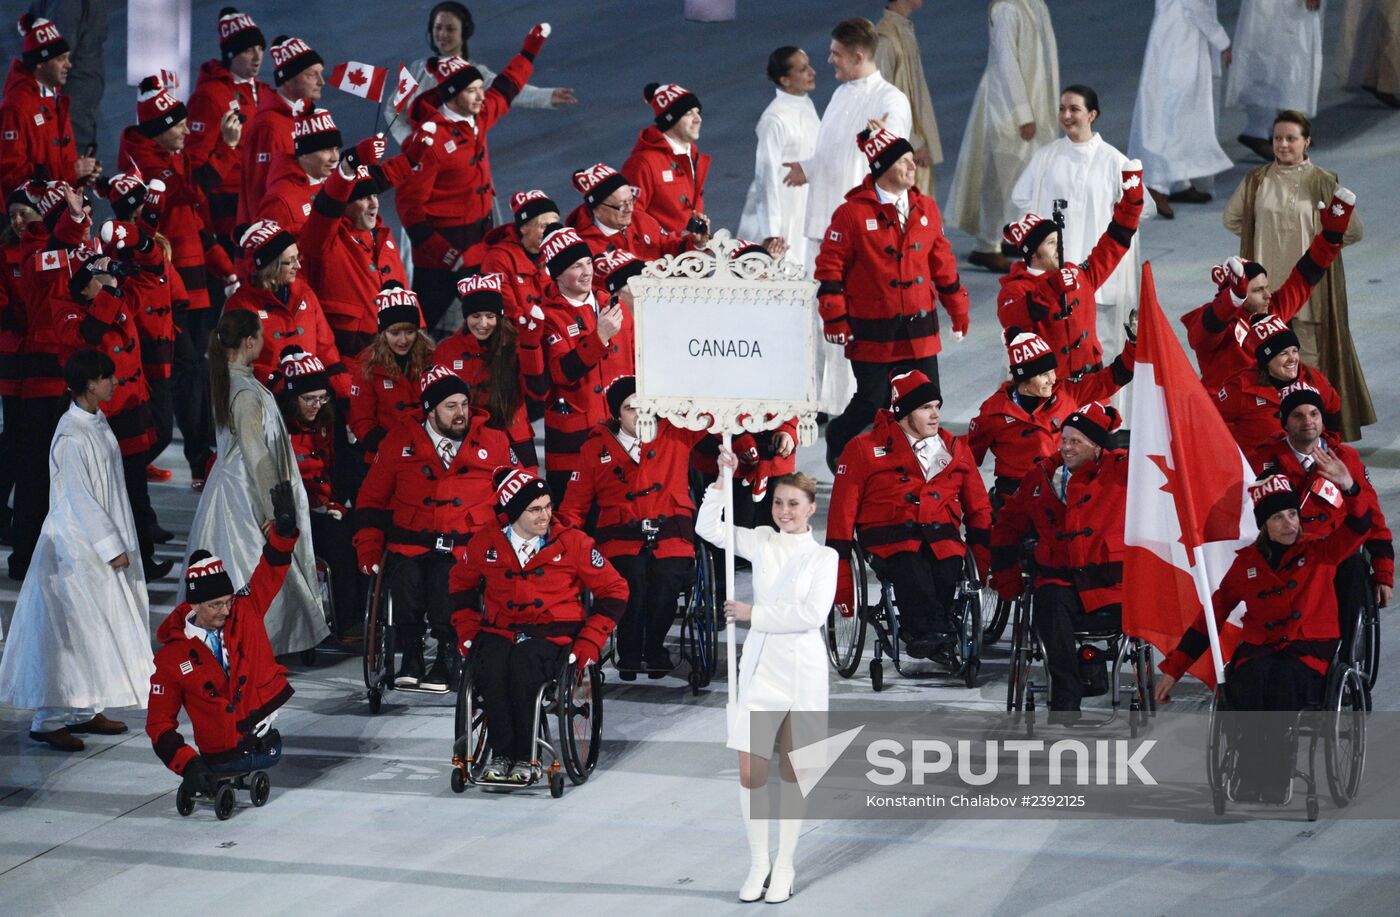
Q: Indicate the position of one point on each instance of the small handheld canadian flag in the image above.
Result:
(403, 90)
(363, 80)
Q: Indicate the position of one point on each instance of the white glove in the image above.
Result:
(231, 285)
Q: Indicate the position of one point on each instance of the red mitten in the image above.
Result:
(120, 238)
(1065, 280)
(467, 624)
(535, 40)
(746, 448)
(1336, 216)
(589, 643)
(531, 327)
(1239, 280)
(154, 204)
(367, 152)
(436, 252)
(834, 320)
(1133, 191)
(845, 590)
(421, 145)
(1007, 583)
(959, 308)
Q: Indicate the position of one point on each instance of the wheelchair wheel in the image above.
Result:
(1001, 615)
(580, 721)
(184, 801)
(699, 625)
(1219, 758)
(223, 802)
(1345, 745)
(459, 783)
(1019, 669)
(845, 636)
(970, 617)
(470, 739)
(259, 788)
(556, 784)
(1367, 645)
(323, 588)
(379, 643)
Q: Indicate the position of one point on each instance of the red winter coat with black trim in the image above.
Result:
(222, 708)
(408, 498)
(467, 357)
(314, 448)
(267, 139)
(12, 315)
(215, 91)
(381, 401)
(36, 135)
(524, 282)
(579, 366)
(108, 324)
(291, 315)
(1250, 406)
(878, 281)
(491, 592)
(644, 237)
(881, 499)
(654, 488)
(670, 185)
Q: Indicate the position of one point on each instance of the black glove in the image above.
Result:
(284, 510)
(1132, 326)
(198, 778)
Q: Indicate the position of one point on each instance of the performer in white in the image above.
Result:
(837, 165)
(784, 665)
(1085, 171)
(80, 638)
(1173, 130)
(235, 509)
(1012, 116)
(1277, 65)
(787, 131)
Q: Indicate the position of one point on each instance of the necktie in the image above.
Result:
(901, 207)
(526, 551)
(216, 646)
(921, 449)
(445, 452)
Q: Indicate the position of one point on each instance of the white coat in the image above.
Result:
(784, 666)
(235, 501)
(787, 132)
(1277, 56)
(80, 636)
(1021, 85)
(1173, 130)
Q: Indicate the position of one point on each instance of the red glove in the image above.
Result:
(746, 448)
(155, 202)
(467, 624)
(420, 146)
(530, 327)
(845, 589)
(959, 308)
(120, 238)
(367, 152)
(1231, 274)
(535, 40)
(589, 643)
(1065, 280)
(834, 326)
(436, 252)
(1336, 216)
(1133, 191)
(1007, 583)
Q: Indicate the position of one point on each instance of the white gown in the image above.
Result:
(1173, 130)
(784, 665)
(228, 522)
(1021, 85)
(1277, 56)
(787, 132)
(80, 635)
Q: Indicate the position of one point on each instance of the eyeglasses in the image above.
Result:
(539, 510)
(288, 262)
(628, 204)
(220, 605)
(314, 399)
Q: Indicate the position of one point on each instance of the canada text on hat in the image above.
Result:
(434, 373)
(123, 184)
(910, 391)
(1297, 388)
(395, 296)
(520, 198)
(156, 108)
(258, 234)
(288, 49)
(873, 143)
(559, 240)
(511, 484)
(611, 260)
(1027, 347)
(1266, 328)
(300, 364)
(1017, 230)
(1029, 355)
(230, 24)
(208, 566)
(42, 40)
(666, 95)
(319, 122)
(54, 195)
(1273, 484)
(447, 66)
(479, 283)
(585, 180)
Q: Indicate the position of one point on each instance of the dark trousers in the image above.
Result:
(190, 389)
(508, 676)
(1351, 583)
(163, 412)
(418, 586)
(654, 584)
(38, 418)
(139, 495)
(264, 755)
(349, 470)
(331, 541)
(923, 590)
(9, 448)
(872, 394)
(1268, 682)
(436, 288)
(1057, 614)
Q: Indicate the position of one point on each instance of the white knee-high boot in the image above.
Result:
(789, 830)
(757, 879)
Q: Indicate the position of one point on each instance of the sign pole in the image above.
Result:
(729, 571)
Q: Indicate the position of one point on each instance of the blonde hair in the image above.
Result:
(803, 482)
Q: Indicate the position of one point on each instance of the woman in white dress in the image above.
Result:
(784, 665)
(235, 509)
(787, 132)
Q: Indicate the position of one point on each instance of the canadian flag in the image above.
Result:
(403, 90)
(363, 80)
(1189, 509)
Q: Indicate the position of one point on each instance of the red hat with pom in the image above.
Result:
(41, 40)
(669, 101)
(157, 110)
(1095, 420)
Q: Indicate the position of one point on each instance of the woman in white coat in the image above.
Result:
(235, 510)
(787, 132)
(784, 666)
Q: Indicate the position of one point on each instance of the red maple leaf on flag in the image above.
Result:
(403, 86)
(356, 77)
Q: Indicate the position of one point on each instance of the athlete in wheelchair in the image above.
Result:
(1073, 505)
(1284, 661)
(520, 620)
(904, 492)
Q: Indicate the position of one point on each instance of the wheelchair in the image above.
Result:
(1338, 724)
(845, 635)
(699, 633)
(574, 700)
(323, 589)
(379, 642)
(255, 782)
(1366, 642)
(1131, 674)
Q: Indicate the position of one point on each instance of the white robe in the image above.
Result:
(1021, 85)
(80, 635)
(1277, 56)
(1173, 130)
(787, 132)
(228, 521)
(784, 665)
(836, 166)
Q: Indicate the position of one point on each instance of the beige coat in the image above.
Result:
(899, 60)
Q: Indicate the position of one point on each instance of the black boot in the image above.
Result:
(411, 664)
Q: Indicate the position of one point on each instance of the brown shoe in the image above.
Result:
(995, 262)
(1164, 209)
(59, 740)
(1192, 195)
(99, 725)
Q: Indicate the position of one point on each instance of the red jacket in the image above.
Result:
(880, 498)
(656, 488)
(44, 290)
(36, 136)
(12, 314)
(1290, 604)
(154, 295)
(1079, 539)
(1250, 407)
(670, 185)
(490, 591)
(347, 266)
(108, 324)
(1031, 302)
(523, 280)
(215, 91)
(1217, 330)
(451, 189)
(408, 499)
(287, 200)
(223, 708)
(878, 280)
(644, 237)
(315, 451)
(1016, 439)
(267, 139)
(380, 401)
(579, 367)
(185, 212)
(462, 353)
(284, 324)
(1321, 511)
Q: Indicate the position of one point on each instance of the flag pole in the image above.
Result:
(728, 473)
(1201, 576)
